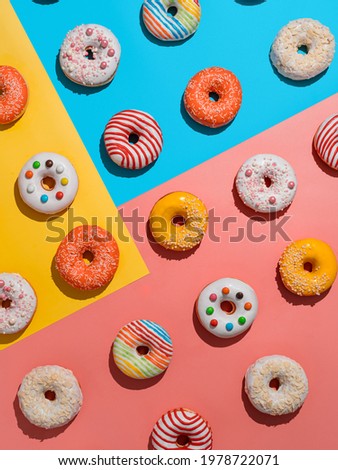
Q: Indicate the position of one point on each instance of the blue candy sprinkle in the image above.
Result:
(229, 326)
(44, 198)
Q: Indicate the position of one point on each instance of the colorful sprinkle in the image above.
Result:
(104, 44)
(214, 323)
(225, 290)
(272, 200)
(29, 174)
(209, 311)
(49, 163)
(111, 52)
(229, 326)
(30, 188)
(60, 169)
(2, 283)
(239, 295)
(248, 306)
(44, 198)
(89, 31)
(248, 173)
(64, 181)
(213, 297)
(59, 195)
(36, 165)
(291, 185)
(103, 65)
(241, 320)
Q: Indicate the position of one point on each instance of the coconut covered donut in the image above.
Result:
(326, 141)
(90, 55)
(276, 385)
(307, 34)
(50, 396)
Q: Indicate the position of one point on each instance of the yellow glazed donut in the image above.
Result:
(308, 267)
(178, 221)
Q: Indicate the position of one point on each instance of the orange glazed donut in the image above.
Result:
(221, 85)
(13, 94)
(87, 257)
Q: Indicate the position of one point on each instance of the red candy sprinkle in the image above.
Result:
(213, 323)
(103, 65)
(111, 52)
(213, 297)
(59, 195)
(29, 175)
(104, 44)
(89, 31)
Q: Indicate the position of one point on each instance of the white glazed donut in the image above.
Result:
(326, 141)
(50, 396)
(308, 33)
(291, 381)
(227, 307)
(129, 153)
(90, 55)
(17, 303)
(181, 429)
(48, 183)
(266, 183)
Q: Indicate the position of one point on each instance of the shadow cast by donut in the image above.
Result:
(198, 127)
(262, 418)
(322, 165)
(156, 41)
(251, 3)
(32, 431)
(8, 339)
(295, 299)
(128, 382)
(150, 446)
(167, 254)
(4, 127)
(211, 339)
(45, 2)
(297, 83)
(115, 169)
(75, 87)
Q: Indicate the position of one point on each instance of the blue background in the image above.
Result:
(234, 34)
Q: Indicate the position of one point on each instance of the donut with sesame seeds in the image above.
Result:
(90, 55)
(13, 94)
(178, 221)
(87, 258)
(308, 267)
(213, 97)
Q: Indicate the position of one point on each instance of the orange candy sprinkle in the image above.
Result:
(225, 290)
(29, 175)
(248, 306)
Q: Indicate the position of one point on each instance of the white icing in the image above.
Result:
(223, 319)
(31, 189)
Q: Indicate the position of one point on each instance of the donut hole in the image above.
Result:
(213, 96)
(303, 49)
(182, 441)
(172, 11)
(228, 307)
(274, 383)
(133, 138)
(178, 220)
(267, 181)
(90, 53)
(5, 303)
(142, 350)
(48, 183)
(50, 395)
(308, 266)
(88, 257)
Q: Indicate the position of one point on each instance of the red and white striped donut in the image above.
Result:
(326, 141)
(181, 429)
(133, 139)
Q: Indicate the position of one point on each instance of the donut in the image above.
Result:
(142, 349)
(48, 183)
(17, 303)
(208, 84)
(87, 258)
(276, 385)
(13, 94)
(302, 34)
(178, 221)
(171, 20)
(181, 429)
(325, 141)
(50, 396)
(133, 139)
(90, 55)
(227, 307)
(308, 267)
(266, 183)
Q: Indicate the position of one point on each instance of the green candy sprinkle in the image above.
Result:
(210, 311)
(241, 320)
(36, 165)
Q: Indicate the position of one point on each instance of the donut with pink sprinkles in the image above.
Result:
(90, 55)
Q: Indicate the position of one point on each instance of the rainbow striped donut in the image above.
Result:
(326, 141)
(171, 27)
(133, 139)
(181, 429)
(142, 349)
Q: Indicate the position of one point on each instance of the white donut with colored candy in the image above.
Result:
(17, 303)
(90, 55)
(48, 183)
(266, 183)
(326, 141)
(227, 307)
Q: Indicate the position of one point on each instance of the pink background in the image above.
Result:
(206, 373)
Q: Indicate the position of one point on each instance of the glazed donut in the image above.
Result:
(217, 82)
(191, 216)
(177, 26)
(326, 141)
(133, 139)
(13, 94)
(308, 267)
(227, 307)
(48, 183)
(291, 385)
(95, 243)
(181, 429)
(50, 396)
(17, 303)
(142, 349)
(305, 32)
(266, 183)
(90, 55)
